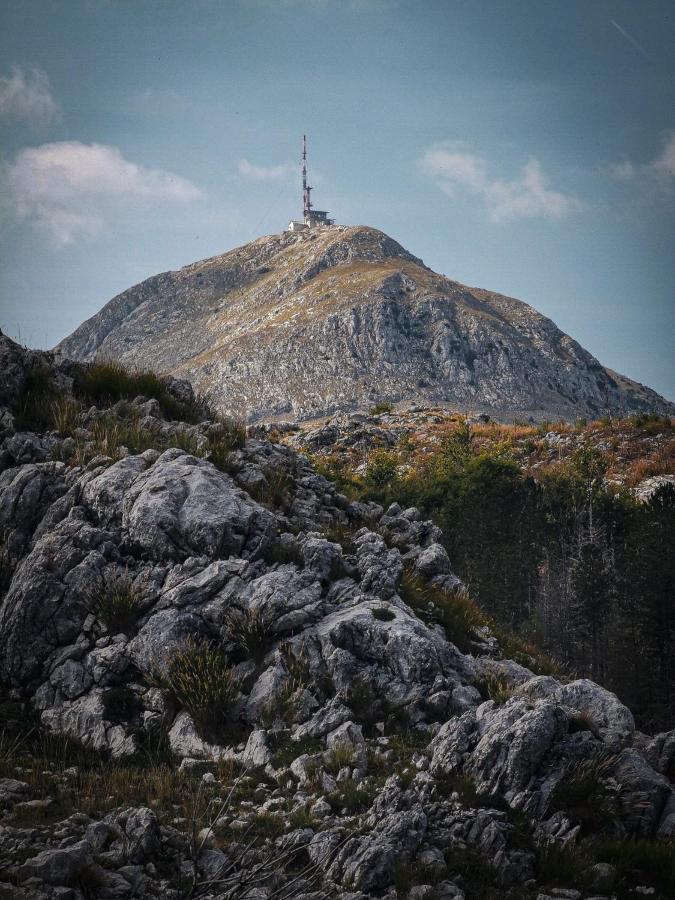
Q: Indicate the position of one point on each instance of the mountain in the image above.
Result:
(304, 324)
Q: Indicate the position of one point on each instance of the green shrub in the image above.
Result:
(353, 796)
(380, 408)
(339, 757)
(221, 443)
(640, 861)
(105, 383)
(251, 632)
(284, 750)
(463, 785)
(278, 491)
(339, 533)
(65, 412)
(201, 679)
(381, 469)
(495, 687)
(115, 603)
(588, 795)
(33, 409)
(456, 612)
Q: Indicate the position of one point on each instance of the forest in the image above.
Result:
(569, 560)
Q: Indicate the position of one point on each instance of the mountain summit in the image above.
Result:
(307, 323)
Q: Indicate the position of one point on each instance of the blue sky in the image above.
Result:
(526, 146)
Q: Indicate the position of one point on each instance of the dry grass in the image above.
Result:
(201, 679)
(115, 603)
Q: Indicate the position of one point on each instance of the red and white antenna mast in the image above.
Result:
(306, 200)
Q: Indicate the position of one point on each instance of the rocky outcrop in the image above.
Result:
(369, 741)
(304, 324)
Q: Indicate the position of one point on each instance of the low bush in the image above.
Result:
(33, 409)
(221, 443)
(201, 679)
(342, 534)
(105, 383)
(115, 602)
(341, 756)
(456, 612)
(380, 408)
(381, 470)
(251, 633)
(65, 413)
(498, 688)
(284, 750)
(640, 862)
(353, 796)
(588, 794)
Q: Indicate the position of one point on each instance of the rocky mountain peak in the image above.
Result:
(308, 323)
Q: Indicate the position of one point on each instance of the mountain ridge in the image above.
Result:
(307, 324)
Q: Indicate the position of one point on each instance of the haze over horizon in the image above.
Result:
(525, 148)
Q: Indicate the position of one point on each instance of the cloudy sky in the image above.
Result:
(526, 146)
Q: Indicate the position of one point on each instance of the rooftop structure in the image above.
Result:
(311, 218)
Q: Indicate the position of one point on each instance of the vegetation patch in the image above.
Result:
(116, 603)
(200, 677)
(251, 633)
(105, 383)
(589, 795)
(33, 409)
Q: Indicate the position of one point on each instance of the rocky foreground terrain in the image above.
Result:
(222, 678)
(299, 325)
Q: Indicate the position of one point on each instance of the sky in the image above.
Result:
(524, 146)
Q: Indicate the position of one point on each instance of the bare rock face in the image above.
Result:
(303, 324)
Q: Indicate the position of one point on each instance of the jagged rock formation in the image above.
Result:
(300, 325)
(383, 720)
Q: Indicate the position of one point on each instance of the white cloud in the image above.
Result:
(660, 171)
(665, 163)
(70, 190)
(265, 173)
(26, 94)
(527, 196)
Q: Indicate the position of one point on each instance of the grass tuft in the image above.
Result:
(251, 632)
(115, 603)
(201, 679)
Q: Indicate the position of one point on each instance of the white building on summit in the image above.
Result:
(311, 218)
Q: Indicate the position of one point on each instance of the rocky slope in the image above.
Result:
(343, 728)
(639, 452)
(301, 324)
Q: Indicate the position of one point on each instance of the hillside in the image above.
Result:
(298, 325)
(223, 678)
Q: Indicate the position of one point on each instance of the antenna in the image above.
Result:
(306, 200)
